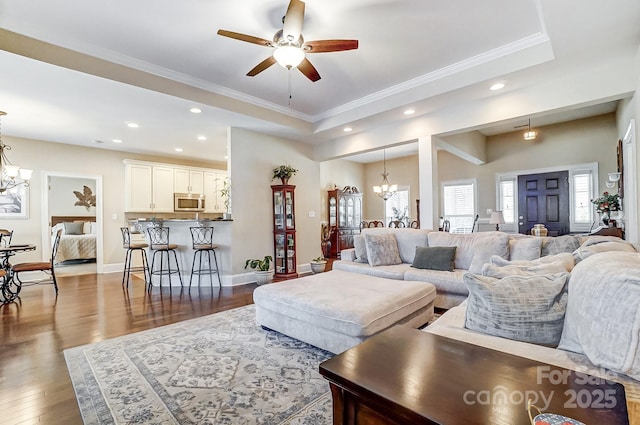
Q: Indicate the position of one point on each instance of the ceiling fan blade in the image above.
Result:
(309, 70)
(293, 21)
(245, 37)
(321, 46)
(261, 66)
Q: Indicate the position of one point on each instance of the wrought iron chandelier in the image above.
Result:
(386, 190)
(8, 172)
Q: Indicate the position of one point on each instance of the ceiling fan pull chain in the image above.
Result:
(289, 83)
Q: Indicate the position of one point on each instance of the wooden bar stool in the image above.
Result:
(202, 239)
(159, 244)
(131, 247)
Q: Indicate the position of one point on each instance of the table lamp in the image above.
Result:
(496, 218)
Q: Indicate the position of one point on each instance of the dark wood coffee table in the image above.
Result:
(406, 376)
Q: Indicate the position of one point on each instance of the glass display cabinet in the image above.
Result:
(284, 231)
(345, 214)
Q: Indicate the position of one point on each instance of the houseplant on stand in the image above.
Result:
(261, 267)
(284, 173)
(318, 265)
(605, 204)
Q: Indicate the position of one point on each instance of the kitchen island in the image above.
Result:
(180, 234)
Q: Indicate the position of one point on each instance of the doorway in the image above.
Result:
(51, 206)
(544, 199)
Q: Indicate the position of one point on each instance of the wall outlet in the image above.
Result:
(489, 211)
(114, 216)
(312, 214)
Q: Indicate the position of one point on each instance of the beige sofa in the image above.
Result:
(473, 251)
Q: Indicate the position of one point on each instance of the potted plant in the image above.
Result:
(225, 194)
(318, 264)
(284, 173)
(261, 267)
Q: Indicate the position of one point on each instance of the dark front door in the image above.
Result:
(544, 198)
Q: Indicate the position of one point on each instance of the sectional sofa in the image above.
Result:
(472, 252)
(569, 302)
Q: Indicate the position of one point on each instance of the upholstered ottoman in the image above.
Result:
(337, 310)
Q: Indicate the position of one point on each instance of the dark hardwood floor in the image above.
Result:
(35, 387)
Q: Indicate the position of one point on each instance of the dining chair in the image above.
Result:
(43, 266)
(397, 224)
(5, 237)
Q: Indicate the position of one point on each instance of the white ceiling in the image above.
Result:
(78, 72)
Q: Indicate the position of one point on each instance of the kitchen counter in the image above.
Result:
(180, 235)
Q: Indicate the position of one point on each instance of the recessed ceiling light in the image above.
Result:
(202, 137)
(133, 125)
(117, 141)
(347, 129)
(178, 149)
(496, 86)
(195, 110)
(409, 111)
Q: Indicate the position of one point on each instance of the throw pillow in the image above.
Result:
(435, 258)
(596, 244)
(524, 248)
(565, 258)
(382, 250)
(532, 269)
(522, 308)
(603, 314)
(555, 245)
(361, 249)
(494, 243)
(74, 228)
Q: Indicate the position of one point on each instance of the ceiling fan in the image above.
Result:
(290, 47)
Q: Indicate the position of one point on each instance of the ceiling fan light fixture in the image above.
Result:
(288, 56)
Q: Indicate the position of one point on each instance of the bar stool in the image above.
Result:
(131, 247)
(202, 239)
(159, 244)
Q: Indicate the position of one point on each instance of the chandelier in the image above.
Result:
(385, 190)
(10, 172)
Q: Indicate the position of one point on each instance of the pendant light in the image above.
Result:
(385, 190)
(530, 134)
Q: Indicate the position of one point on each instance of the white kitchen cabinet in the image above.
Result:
(188, 181)
(162, 189)
(138, 187)
(149, 186)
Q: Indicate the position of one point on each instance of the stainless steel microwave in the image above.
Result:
(188, 202)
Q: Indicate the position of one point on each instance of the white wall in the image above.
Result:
(252, 159)
(62, 199)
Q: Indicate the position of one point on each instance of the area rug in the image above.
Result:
(217, 369)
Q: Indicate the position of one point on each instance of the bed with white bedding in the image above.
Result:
(78, 240)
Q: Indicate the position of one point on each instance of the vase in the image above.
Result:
(284, 180)
(604, 218)
(539, 230)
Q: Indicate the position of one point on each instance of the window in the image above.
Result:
(459, 202)
(397, 207)
(507, 200)
(582, 206)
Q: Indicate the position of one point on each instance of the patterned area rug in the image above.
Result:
(218, 369)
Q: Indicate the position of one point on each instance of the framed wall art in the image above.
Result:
(14, 203)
